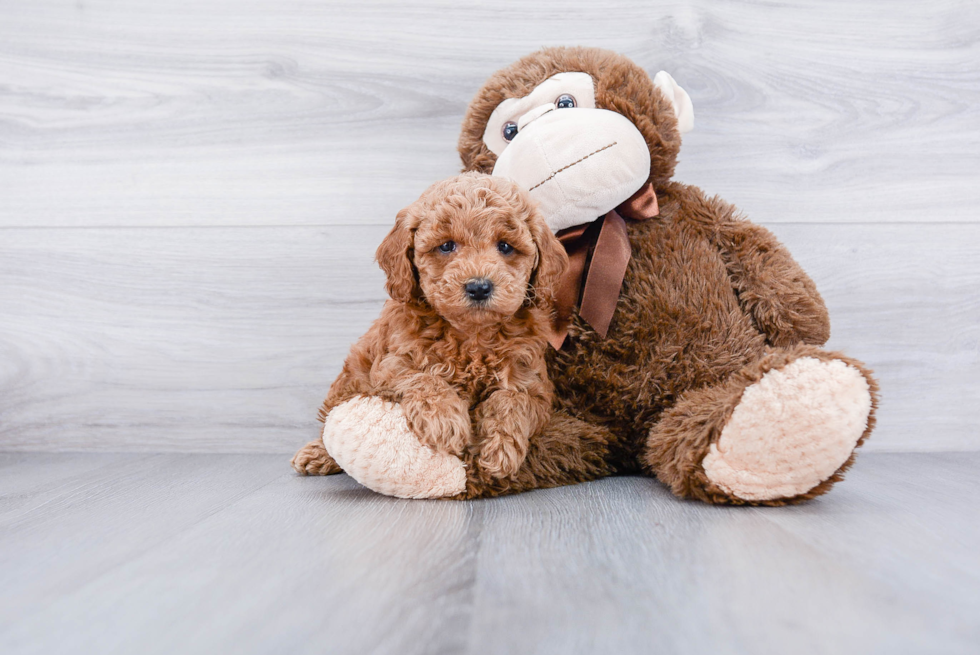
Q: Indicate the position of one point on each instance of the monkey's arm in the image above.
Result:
(782, 299)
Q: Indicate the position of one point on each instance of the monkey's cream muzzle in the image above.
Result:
(578, 164)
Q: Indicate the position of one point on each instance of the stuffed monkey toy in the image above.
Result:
(687, 341)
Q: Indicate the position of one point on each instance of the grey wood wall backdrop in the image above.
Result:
(191, 192)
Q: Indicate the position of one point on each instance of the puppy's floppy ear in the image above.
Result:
(551, 262)
(394, 256)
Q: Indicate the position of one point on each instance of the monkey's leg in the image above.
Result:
(313, 459)
(781, 430)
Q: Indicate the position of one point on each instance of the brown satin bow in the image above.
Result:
(598, 253)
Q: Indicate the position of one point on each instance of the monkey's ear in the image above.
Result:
(683, 107)
(551, 262)
(394, 256)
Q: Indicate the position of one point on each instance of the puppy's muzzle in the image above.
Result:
(479, 289)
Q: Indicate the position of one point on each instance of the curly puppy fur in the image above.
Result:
(709, 303)
(470, 374)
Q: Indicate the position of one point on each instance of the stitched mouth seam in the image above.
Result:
(566, 167)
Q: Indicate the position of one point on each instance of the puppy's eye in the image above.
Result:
(505, 248)
(509, 131)
(448, 247)
(565, 101)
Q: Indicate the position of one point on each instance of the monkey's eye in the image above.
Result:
(505, 248)
(565, 101)
(448, 247)
(509, 131)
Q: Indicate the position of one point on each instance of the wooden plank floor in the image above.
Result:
(126, 553)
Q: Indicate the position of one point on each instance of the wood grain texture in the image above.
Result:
(226, 339)
(885, 564)
(286, 112)
(190, 193)
(101, 516)
(164, 339)
(296, 567)
(634, 569)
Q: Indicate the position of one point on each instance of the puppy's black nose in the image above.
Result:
(479, 289)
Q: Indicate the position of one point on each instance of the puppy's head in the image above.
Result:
(475, 248)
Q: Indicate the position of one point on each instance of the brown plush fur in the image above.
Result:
(710, 302)
(470, 376)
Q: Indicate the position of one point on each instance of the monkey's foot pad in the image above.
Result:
(791, 430)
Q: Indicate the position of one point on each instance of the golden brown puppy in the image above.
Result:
(471, 269)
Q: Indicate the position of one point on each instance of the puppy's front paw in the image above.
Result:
(502, 456)
(443, 426)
